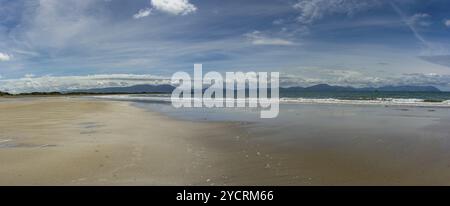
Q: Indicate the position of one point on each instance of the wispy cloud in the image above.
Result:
(4, 57)
(314, 10)
(143, 13)
(258, 38)
(419, 19)
(443, 60)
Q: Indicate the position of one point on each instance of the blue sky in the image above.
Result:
(69, 44)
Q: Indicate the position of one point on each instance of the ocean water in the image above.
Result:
(298, 105)
(419, 99)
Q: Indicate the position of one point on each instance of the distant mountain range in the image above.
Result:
(145, 88)
(169, 88)
(315, 88)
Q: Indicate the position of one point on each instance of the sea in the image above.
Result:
(419, 102)
(436, 99)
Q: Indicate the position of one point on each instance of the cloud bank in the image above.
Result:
(358, 79)
(30, 83)
(309, 77)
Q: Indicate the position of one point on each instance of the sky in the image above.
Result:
(53, 45)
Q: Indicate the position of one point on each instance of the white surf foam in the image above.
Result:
(378, 101)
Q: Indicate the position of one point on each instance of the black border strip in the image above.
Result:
(168, 194)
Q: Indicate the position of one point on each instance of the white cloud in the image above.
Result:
(314, 10)
(257, 38)
(65, 83)
(143, 13)
(175, 7)
(5, 57)
(447, 22)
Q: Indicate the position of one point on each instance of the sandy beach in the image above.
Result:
(82, 141)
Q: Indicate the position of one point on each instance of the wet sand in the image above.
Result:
(356, 145)
(78, 141)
